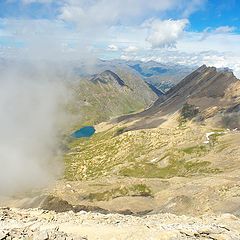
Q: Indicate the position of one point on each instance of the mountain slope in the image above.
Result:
(177, 156)
(207, 89)
(109, 94)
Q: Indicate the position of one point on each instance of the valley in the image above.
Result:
(179, 156)
(119, 120)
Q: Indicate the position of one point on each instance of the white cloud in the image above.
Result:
(72, 13)
(45, 39)
(219, 30)
(112, 47)
(118, 24)
(193, 6)
(224, 42)
(104, 12)
(131, 49)
(165, 33)
(224, 29)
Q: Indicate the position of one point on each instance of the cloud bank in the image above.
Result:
(32, 99)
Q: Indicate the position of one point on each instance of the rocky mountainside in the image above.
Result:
(212, 93)
(109, 94)
(47, 225)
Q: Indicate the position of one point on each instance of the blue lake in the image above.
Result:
(87, 131)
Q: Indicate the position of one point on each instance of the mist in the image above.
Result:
(32, 116)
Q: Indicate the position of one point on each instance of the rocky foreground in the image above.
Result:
(38, 224)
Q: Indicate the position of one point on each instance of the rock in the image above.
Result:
(188, 232)
(69, 238)
(154, 226)
(220, 237)
(3, 235)
(43, 235)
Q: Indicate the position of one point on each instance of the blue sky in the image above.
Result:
(217, 13)
(188, 32)
(212, 13)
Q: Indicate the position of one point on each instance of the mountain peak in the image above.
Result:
(205, 88)
(108, 76)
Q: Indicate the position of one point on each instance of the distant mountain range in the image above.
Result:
(116, 87)
(161, 76)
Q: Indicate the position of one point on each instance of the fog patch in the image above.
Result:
(32, 115)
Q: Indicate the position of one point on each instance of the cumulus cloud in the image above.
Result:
(165, 33)
(72, 13)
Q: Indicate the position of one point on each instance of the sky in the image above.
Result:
(189, 32)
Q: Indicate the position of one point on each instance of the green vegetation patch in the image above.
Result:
(181, 162)
(180, 169)
(134, 190)
(214, 137)
(120, 131)
(130, 154)
(198, 150)
(188, 112)
(102, 153)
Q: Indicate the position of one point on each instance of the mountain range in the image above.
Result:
(179, 155)
(108, 94)
(113, 88)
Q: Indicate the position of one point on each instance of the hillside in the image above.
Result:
(211, 92)
(109, 94)
(179, 156)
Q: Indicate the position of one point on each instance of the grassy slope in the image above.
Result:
(97, 102)
(153, 153)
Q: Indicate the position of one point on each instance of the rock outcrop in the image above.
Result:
(37, 224)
